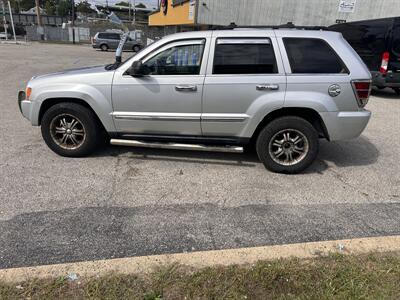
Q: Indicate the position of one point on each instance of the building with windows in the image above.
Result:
(182, 15)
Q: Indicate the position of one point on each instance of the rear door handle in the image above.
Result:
(186, 88)
(267, 87)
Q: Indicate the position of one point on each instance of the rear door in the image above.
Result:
(245, 80)
(113, 40)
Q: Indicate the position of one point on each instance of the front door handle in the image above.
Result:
(267, 87)
(186, 88)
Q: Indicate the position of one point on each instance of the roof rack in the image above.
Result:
(288, 25)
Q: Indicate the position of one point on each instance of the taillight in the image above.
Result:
(385, 62)
(362, 90)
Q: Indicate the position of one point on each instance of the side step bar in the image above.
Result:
(175, 146)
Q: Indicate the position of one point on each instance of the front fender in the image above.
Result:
(97, 97)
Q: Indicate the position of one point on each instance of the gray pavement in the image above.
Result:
(127, 201)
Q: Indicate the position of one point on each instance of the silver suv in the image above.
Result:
(110, 40)
(277, 90)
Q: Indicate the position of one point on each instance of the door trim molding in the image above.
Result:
(211, 117)
(146, 116)
(154, 116)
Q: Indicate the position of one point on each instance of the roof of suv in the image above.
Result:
(245, 32)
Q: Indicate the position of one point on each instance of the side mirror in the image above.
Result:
(137, 69)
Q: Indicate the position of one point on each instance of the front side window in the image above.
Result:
(177, 60)
(244, 56)
(312, 56)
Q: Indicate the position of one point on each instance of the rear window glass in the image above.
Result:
(368, 38)
(312, 56)
(247, 56)
(396, 39)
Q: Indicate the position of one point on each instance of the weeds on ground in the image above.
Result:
(374, 276)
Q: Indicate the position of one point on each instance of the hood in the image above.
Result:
(72, 72)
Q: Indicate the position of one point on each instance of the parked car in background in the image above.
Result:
(378, 43)
(279, 90)
(4, 36)
(110, 40)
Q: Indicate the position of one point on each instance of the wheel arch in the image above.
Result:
(50, 102)
(308, 114)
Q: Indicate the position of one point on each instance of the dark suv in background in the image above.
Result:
(378, 43)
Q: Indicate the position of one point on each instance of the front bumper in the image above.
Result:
(345, 125)
(25, 106)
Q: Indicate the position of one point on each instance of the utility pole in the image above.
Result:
(39, 20)
(130, 7)
(4, 19)
(12, 21)
(73, 21)
(134, 15)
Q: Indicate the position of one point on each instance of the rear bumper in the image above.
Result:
(345, 125)
(386, 80)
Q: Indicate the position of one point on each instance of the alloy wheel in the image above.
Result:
(288, 147)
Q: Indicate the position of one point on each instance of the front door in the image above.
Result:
(167, 101)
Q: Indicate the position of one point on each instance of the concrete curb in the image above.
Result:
(135, 265)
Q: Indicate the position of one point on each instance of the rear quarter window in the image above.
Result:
(312, 56)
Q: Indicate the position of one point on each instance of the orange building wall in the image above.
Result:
(176, 15)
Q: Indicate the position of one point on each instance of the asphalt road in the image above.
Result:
(127, 202)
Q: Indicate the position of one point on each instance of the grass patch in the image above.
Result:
(374, 276)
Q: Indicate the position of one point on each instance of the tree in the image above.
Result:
(122, 3)
(63, 8)
(84, 7)
(50, 7)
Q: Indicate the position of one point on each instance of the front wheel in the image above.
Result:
(287, 145)
(70, 129)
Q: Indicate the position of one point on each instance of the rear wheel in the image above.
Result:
(104, 47)
(397, 91)
(70, 129)
(287, 145)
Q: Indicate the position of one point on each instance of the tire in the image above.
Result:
(380, 87)
(104, 47)
(397, 91)
(136, 48)
(274, 145)
(83, 137)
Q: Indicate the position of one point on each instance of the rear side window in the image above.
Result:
(112, 36)
(312, 56)
(244, 56)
